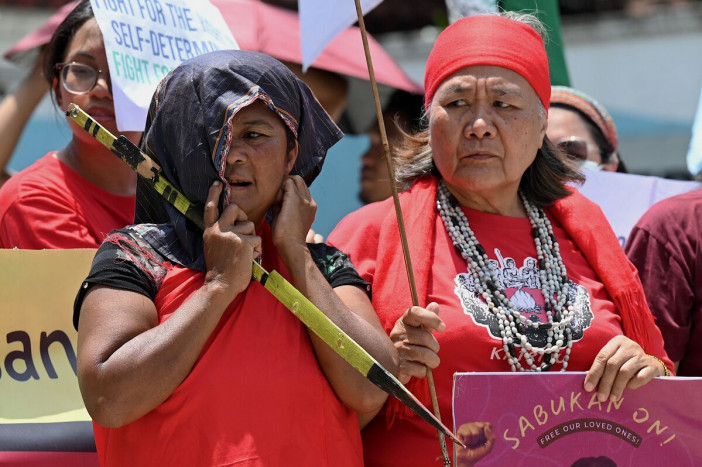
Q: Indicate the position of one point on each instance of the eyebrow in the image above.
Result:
(505, 91)
(498, 89)
(81, 54)
(256, 122)
(458, 88)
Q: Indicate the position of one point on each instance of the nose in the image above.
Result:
(375, 150)
(103, 85)
(236, 155)
(480, 125)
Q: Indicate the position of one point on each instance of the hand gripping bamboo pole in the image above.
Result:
(398, 213)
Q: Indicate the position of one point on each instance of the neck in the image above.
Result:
(504, 203)
(98, 165)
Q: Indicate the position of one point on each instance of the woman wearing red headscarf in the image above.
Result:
(525, 271)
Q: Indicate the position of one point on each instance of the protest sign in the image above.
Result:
(145, 39)
(625, 197)
(42, 417)
(547, 419)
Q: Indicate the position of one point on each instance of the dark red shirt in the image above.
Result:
(666, 247)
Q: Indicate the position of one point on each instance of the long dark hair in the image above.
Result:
(544, 181)
(56, 49)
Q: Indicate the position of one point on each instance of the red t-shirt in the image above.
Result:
(255, 397)
(470, 343)
(49, 205)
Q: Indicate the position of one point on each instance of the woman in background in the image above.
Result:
(73, 197)
(583, 129)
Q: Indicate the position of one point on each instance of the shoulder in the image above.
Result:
(125, 261)
(336, 266)
(671, 226)
(673, 211)
(129, 245)
(370, 214)
(366, 220)
(44, 177)
(577, 200)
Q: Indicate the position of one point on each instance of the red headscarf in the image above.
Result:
(489, 40)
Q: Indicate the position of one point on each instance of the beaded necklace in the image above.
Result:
(555, 286)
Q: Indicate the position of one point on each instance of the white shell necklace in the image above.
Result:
(555, 286)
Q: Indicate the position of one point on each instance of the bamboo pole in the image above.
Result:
(398, 213)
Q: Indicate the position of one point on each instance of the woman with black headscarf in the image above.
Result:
(182, 360)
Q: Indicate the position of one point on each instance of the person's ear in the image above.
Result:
(542, 130)
(292, 157)
(613, 163)
(54, 89)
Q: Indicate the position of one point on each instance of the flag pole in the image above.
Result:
(398, 212)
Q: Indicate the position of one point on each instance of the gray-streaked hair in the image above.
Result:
(544, 181)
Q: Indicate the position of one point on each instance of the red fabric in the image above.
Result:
(666, 247)
(370, 238)
(489, 40)
(49, 205)
(255, 397)
(48, 459)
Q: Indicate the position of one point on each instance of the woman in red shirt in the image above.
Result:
(182, 359)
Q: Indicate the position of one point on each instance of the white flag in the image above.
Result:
(694, 153)
(322, 20)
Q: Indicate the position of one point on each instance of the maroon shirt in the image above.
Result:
(666, 248)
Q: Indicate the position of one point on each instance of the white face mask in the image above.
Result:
(590, 165)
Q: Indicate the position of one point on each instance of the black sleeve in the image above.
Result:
(120, 262)
(336, 267)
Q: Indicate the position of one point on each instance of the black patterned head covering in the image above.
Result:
(188, 133)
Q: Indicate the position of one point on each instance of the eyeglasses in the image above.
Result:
(78, 78)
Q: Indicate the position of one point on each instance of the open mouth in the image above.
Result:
(240, 184)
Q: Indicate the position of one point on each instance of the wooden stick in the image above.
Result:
(398, 212)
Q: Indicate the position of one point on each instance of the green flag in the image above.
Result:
(547, 11)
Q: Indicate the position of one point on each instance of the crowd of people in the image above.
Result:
(182, 359)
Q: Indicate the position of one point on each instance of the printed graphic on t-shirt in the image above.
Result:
(523, 288)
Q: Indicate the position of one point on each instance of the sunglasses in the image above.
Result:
(78, 78)
(577, 151)
(574, 148)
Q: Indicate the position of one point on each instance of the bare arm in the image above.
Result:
(128, 363)
(348, 307)
(15, 110)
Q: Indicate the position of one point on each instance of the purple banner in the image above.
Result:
(550, 420)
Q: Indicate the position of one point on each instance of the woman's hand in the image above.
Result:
(620, 364)
(479, 440)
(293, 215)
(415, 343)
(231, 244)
(314, 237)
